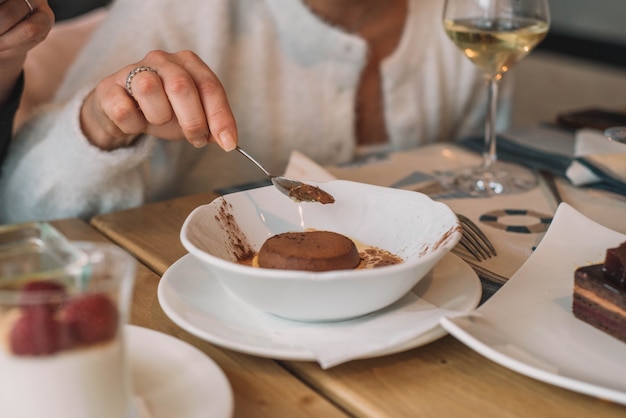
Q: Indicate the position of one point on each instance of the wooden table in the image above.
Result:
(442, 379)
(262, 388)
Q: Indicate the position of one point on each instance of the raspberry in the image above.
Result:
(54, 293)
(35, 333)
(91, 318)
(43, 285)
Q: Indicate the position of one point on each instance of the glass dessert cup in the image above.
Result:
(61, 326)
(494, 35)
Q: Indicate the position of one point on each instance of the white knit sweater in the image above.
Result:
(291, 80)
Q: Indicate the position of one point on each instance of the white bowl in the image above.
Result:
(408, 224)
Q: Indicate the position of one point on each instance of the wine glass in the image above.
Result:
(494, 35)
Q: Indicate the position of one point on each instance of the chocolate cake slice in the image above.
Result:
(600, 293)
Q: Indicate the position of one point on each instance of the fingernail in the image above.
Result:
(199, 143)
(226, 140)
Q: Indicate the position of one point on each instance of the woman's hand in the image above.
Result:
(21, 29)
(176, 97)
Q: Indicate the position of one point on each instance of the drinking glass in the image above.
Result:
(616, 133)
(494, 35)
(62, 310)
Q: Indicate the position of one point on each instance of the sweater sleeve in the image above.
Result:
(52, 171)
(7, 114)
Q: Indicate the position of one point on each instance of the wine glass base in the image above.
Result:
(499, 179)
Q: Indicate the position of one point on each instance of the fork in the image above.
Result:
(474, 239)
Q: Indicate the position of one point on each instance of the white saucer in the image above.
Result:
(174, 379)
(195, 301)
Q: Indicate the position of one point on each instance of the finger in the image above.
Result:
(214, 101)
(28, 33)
(149, 93)
(113, 115)
(12, 12)
(122, 111)
(183, 97)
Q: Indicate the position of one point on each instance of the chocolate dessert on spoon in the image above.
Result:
(294, 189)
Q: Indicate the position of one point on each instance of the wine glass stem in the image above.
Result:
(489, 154)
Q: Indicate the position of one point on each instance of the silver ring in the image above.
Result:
(132, 75)
(30, 6)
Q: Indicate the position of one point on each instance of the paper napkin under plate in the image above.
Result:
(333, 343)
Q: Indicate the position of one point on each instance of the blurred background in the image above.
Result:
(582, 62)
(66, 9)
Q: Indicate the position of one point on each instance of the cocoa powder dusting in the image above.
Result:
(237, 241)
(373, 257)
(444, 238)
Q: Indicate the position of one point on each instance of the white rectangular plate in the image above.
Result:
(528, 325)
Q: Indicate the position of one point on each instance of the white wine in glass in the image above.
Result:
(494, 35)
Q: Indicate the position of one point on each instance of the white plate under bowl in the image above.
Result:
(196, 301)
(528, 325)
(174, 379)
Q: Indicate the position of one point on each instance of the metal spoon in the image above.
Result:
(294, 189)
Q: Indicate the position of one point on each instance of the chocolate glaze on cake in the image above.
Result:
(310, 251)
(600, 294)
(614, 268)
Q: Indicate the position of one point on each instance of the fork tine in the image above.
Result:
(474, 240)
(472, 249)
(474, 246)
(465, 221)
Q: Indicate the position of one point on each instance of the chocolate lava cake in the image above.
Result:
(311, 251)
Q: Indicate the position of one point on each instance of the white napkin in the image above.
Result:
(608, 155)
(302, 167)
(333, 343)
